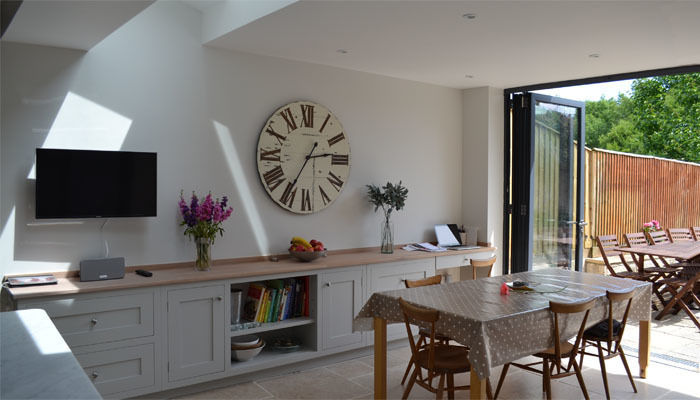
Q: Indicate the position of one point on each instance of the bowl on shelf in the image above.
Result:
(307, 256)
(246, 340)
(245, 353)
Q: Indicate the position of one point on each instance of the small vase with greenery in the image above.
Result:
(393, 197)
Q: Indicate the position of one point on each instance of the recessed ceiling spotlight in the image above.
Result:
(469, 16)
(342, 51)
(594, 55)
(468, 76)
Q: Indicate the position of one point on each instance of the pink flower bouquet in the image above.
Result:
(651, 226)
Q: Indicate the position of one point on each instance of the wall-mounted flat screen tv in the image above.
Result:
(95, 184)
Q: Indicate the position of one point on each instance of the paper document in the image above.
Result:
(425, 246)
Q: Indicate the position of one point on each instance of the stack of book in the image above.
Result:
(277, 300)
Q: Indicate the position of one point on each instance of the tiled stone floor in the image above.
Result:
(676, 377)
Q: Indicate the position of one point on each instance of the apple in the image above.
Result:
(300, 247)
(313, 242)
(318, 248)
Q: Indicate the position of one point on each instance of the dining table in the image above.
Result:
(687, 250)
(500, 328)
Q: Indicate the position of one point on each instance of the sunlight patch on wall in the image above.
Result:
(234, 165)
(7, 250)
(82, 124)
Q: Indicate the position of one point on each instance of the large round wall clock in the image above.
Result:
(303, 157)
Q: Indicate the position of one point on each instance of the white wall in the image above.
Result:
(154, 77)
(482, 189)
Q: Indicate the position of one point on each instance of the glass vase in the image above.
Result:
(387, 246)
(203, 260)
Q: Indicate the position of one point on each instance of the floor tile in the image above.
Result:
(317, 383)
(351, 369)
(249, 390)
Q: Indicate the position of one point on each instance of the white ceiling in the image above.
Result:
(508, 44)
(73, 24)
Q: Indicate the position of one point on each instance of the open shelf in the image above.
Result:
(271, 326)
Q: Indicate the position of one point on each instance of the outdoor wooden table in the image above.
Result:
(503, 328)
(682, 250)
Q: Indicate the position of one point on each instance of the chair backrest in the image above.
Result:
(413, 313)
(433, 280)
(569, 308)
(658, 237)
(634, 239)
(696, 232)
(616, 297)
(605, 244)
(680, 234)
(488, 263)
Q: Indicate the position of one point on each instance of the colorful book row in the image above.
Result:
(277, 300)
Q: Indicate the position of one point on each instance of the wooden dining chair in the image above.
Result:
(696, 232)
(683, 288)
(552, 358)
(606, 243)
(482, 264)
(658, 237)
(680, 235)
(635, 239)
(439, 360)
(609, 331)
(423, 334)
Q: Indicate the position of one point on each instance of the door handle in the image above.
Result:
(94, 375)
(219, 298)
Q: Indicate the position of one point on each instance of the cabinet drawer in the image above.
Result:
(391, 276)
(459, 260)
(83, 321)
(121, 369)
(456, 260)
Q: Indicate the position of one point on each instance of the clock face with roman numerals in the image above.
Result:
(303, 157)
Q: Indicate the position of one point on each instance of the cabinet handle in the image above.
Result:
(94, 375)
(328, 284)
(219, 298)
(93, 321)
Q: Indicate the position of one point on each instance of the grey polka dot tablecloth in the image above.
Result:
(502, 328)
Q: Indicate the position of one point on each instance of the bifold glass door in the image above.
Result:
(546, 183)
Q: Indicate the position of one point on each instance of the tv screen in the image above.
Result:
(95, 184)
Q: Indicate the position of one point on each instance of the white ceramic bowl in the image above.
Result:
(246, 340)
(247, 354)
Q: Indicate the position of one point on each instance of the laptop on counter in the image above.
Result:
(448, 237)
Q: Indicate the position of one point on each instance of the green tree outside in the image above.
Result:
(661, 117)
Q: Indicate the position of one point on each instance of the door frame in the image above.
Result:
(507, 93)
(523, 194)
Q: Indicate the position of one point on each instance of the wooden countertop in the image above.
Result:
(228, 269)
(36, 361)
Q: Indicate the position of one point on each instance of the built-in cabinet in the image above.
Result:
(140, 341)
(341, 300)
(393, 276)
(196, 319)
(115, 337)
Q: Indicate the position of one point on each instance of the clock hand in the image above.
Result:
(305, 161)
(321, 155)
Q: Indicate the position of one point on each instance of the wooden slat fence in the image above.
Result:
(627, 190)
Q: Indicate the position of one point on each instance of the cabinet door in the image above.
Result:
(391, 276)
(341, 300)
(196, 340)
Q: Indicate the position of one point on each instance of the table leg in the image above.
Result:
(379, 358)
(477, 388)
(644, 347)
